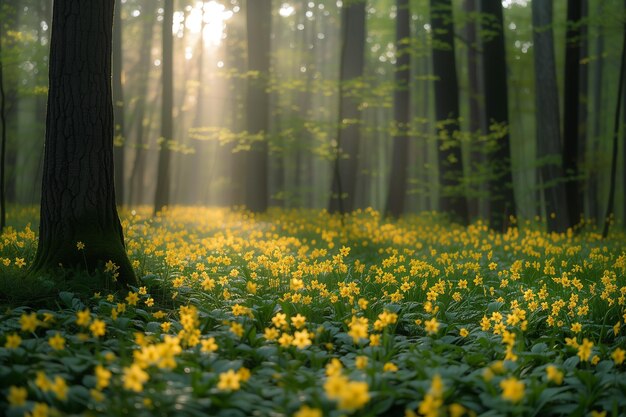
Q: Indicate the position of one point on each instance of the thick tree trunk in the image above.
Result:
(343, 188)
(162, 194)
(502, 199)
(593, 180)
(571, 112)
(548, 120)
(401, 109)
(118, 104)
(451, 198)
(259, 15)
(3, 142)
(78, 193)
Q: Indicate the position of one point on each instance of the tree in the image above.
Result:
(3, 141)
(78, 193)
(571, 112)
(398, 179)
(548, 120)
(502, 198)
(259, 15)
(162, 194)
(118, 104)
(348, 131)
(447, 110)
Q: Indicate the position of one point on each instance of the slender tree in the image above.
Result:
(162, 194)
(548, 120)
(401, 107)
(348, 131)
(78, 193)
(502, 198)
(259, 15)
(571, 112)
(447, 110)
(3, 139)
(118, 104)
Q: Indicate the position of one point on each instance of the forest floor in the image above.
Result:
(293, 313)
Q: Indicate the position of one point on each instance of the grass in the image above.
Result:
(294, 314)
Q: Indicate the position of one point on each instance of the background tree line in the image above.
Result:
(474, 108)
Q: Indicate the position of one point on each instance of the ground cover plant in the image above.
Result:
(300, 313)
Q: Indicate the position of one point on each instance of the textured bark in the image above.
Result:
(118, 103)
(571, 112)
(78, 193)
(447, 111)
(548, 121)
(259, 14)
(502, 199)
(3, 142)
(162, 193)
(401, 101)
(343, 188)
(593, 148)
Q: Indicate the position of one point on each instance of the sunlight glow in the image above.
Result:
(207, 17)
(286, 10)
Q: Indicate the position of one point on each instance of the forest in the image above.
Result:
(312, 208)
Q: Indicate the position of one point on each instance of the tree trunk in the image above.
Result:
(502, 198)
(452, 199)
(78, 193)
(3, 143)
(118, 104)
(401, 109)
(571, 112)
(162, 194)
(343, 188)
(548, 121)
(593, 181)
(259, 15)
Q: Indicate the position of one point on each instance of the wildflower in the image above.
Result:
(132, 298)
(13, 341)
(96, 395)
(554, 374)
(59, 387)
(80, 245)
(20, 262)
(98, 328)
(270, 333)
(306, 411)
(229, 381)
(57, 342)
(17, 396)
(374, 340)
(360, 362)
(165, 327)
(285, 340)
(431, 325)
(358, 328)
(618, 356)
(40, 410)
(208, 345)
(463, 332)
(42, 382)
(363, 303)
(298, 321)
(390, 367)
(29, 322)
(134, 378)
(334, 367)
(103, 377)
(576, 327)
(512, 389)
(301, 339)
(244, 374)
(584, 350)
(280, 320)
(237, 329)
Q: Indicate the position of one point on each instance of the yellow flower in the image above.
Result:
(20, 262)
(237, 329)
(134, 377)
(132, 298)
(83, 318)
(96, 395)
(17, 396)
(360, 362)
(374, 340)
(390, 367)
(301, 339)
(13, 341)
(57, 342)
(29, 322)
(306, 411)
(208, 345)
(285, 340)
(59, 387)
(40, 410)
(334, 367)
(431, 325)
(229, 381)
(576, 327)
(42, 382)
(584, 350)
(512, 389)
(298, 321)
(463, 332)
(354, 396)
(270, 333)
(618, 356)
(165, 327)
(280, 320)
(80, 245)
(456, 410)
(554, 374)
(244, 374)
(103, 377)
(98, 328)
(595, 413)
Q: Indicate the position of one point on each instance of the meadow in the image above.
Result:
(300, 313)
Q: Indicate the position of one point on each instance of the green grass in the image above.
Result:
(416, 317)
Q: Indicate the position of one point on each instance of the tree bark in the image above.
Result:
(259, 15)
(452, 199)
(397, 180)
(3, 143)
(343, 188)
(571, 112)
(78, 192)
(548, 121)
(162, 193)
(502, 198)
(118, 104)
